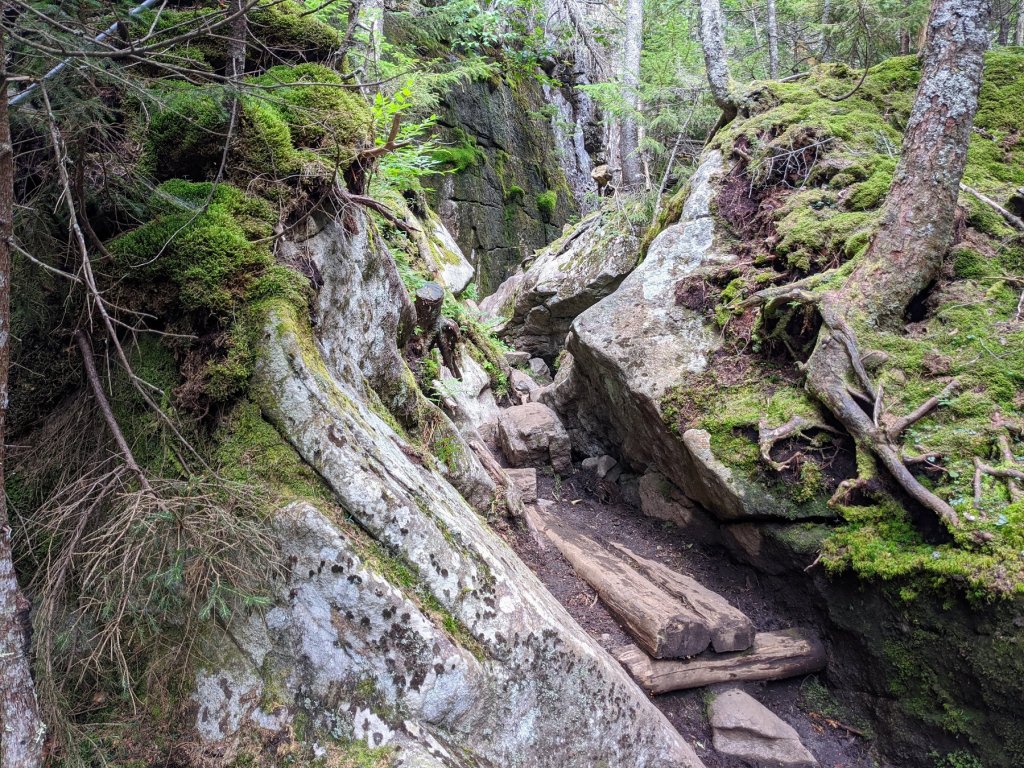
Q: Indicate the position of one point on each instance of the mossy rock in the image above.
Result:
(210, 246)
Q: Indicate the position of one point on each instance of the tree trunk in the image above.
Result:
(773, 42)
(915, 231)
(1018, 34)
(826, 15)
(629, 143)
(21, 740)
(712, 39)
(904, 41)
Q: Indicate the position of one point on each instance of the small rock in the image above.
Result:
(525, 481)
(661, 499)
(515, 358)
(540, 369)
(745, 728)
(532, 433)
(524, 384)
(590, 463)
(608, 469)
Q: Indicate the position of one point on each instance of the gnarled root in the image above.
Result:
(768, 437)
(828, 369)
(1011, 471)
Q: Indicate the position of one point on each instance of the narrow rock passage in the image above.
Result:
(596, 508)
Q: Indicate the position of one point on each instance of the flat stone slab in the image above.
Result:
(743, 727)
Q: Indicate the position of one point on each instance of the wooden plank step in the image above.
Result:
(661, 625)
(773, 656)
(731, 630)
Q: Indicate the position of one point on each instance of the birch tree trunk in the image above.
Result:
(21, 730)
(712, 39)
(629, 142)
(773, 42)
(1018, 34)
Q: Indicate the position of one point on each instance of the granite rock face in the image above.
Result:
(537, 305)
(417, 626)
(532, 434)
(513, 197)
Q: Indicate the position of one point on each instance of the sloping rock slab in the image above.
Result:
(746, 729)
(538, 303)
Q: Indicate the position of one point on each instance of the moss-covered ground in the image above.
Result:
(809, 175)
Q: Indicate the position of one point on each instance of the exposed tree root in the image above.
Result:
(768, 437)
(836, 360)
(1012, 471)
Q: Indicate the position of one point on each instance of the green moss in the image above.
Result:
(251, 451)
(208, 246)
(870, 193)
(462, 154)
(187, 133)
(288, 31)
(320, 114)
(547, 202)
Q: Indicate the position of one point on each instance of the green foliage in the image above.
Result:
(416, 155)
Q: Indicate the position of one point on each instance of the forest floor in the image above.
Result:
(578, 502)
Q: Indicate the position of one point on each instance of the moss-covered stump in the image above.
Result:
(507, 195)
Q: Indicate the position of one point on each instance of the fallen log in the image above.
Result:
(660, 624)
(773, 656)
(731, 630)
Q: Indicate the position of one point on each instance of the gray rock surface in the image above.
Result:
(631, 348)
(606, 465)
(525, 481)
(742, 727)
(524, 385)
(539, 302)
(661, 499)
(532, 434)
(466, 659)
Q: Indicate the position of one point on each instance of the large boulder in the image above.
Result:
(630, 349)
(743, 727)
(538, 303)
(532, 434)
(417, 626)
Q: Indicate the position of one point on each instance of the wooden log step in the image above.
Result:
(773, 656)
(731, 630)
(661, 625)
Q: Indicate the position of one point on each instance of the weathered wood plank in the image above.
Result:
(660, 624)
(773, 656)
(731, 630)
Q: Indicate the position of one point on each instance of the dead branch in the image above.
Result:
(85, 348)
(1014, 221)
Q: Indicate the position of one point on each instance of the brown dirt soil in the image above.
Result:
(582, 502)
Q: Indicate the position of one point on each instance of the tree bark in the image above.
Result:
(1018, 34)
(826, 16)
(21, 739)
(629, 142)
(773, 42)
(915, 231)
(712, 40)
(773, 656)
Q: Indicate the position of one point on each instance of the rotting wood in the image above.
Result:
(660, 624)
(731, 629)
(773, 656)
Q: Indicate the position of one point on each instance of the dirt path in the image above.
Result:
(799, 701)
